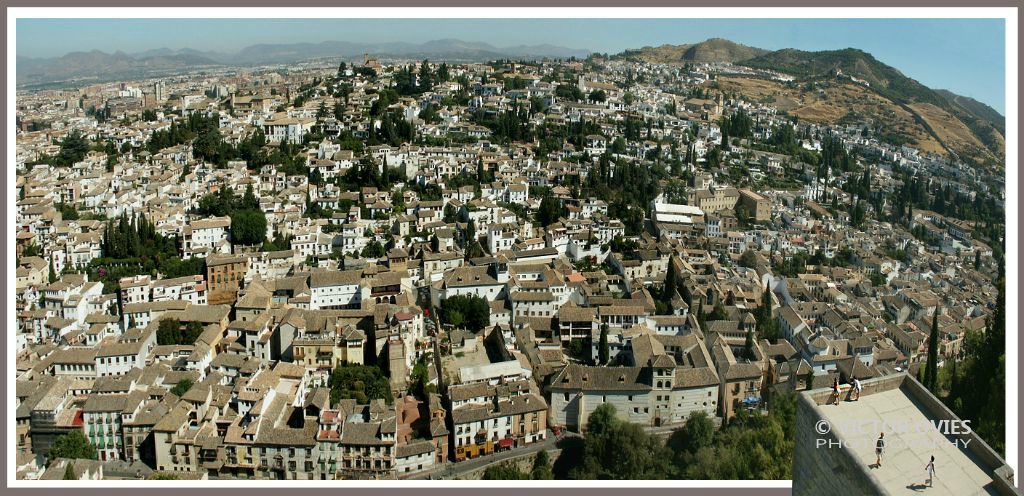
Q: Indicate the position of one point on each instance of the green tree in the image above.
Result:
(67, 211)
(767, 326)
(551, 209)
(359, 382)
(73, 445)
(419, 378)
(569, 92)
(373, 249)
(449, 213)
(579, 351)
(718, 311)
(602, 420)
(603, 351)
(454, 318)
(73, 148)
(698, 432)
(748, 259)
(931, 376)
(181, 387)
(249, 200)
(619, 450)
(248, 227)
(172, 332)
(541, 467)
(748, 345)
(470, 311)
(31, 250)
(749, 447)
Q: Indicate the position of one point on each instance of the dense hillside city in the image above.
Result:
(584, 268)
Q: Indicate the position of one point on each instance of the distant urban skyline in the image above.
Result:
(966, 56)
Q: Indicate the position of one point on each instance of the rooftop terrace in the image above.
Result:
(838, 442)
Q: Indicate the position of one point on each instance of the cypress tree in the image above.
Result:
(953, 387)
(671, 280)
(603, 349)
(931, 376)
(765, 324)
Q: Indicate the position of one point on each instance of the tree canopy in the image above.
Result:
(248, 227)
(181, 387)
(73, 445)
(614, 449)
(171, 331)
(469, 311)
(359, 382)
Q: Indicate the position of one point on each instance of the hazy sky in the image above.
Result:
(964, 56)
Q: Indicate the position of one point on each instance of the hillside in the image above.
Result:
(838, 102)
(984, 121)
(720, 50)
(885, 80)
(708, 51)
(962, 125)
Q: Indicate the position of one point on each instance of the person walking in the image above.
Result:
(879, 449)
(856, 389)
(835, 390)
(930, 468)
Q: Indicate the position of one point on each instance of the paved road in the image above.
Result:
(452, 470)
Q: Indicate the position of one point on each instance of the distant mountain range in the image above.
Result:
(100, 66)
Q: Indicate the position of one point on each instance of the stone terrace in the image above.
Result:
(903, 409)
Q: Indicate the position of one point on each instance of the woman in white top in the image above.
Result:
(931, 470)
